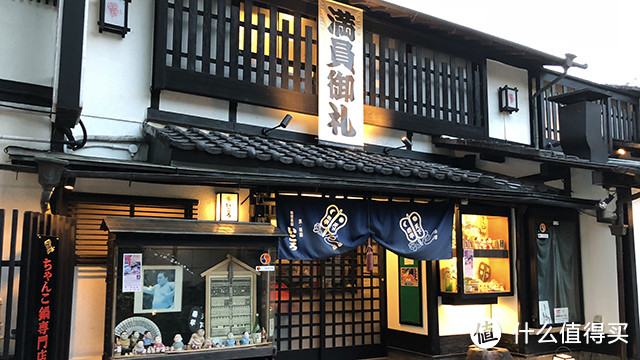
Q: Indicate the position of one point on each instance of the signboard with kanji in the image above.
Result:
(340, 74)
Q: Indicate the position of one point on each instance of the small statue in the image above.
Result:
(133, 340)
(158, 346)
(139, 348)
(197, 340)
(217, 342)
(122, 344)
(244, 340)
(208, 343)
(177, 345)
(147, 338)
(230, 340)
(264, 335)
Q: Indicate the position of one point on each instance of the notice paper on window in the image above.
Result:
(544, 312)
(561, 315)
(131, 272)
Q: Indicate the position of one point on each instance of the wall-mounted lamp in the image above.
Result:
(114, 15)
(508, 99)
(407, 145)
(283, 124)
(227, 207)
(70, 183)
(605, 202)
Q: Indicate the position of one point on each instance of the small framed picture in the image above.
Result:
(227, 206)
(161, 290)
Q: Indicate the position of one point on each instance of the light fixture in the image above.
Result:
(621, 152)
(407, 144)
(283, 124)
(227, 206)
(114, 15)
(563, 353)
(605, 202)
(508, 99)
(70, 183)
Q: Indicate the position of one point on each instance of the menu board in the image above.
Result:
(231, 304)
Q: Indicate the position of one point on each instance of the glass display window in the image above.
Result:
(186, 295)
(481, 265)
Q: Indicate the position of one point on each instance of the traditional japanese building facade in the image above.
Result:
(155, 109)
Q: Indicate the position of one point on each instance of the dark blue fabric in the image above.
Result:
(321, 228)
(413, 230)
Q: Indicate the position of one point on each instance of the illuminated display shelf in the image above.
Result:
(482, 258)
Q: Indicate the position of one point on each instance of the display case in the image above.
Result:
(190, 289)
(480, 269)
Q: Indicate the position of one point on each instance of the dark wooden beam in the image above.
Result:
(607, 179)
(25, 93)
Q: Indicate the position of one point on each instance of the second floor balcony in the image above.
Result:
(430, 82)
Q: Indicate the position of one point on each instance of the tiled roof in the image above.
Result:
(299, 156)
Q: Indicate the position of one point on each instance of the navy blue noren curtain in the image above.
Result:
(321, 228)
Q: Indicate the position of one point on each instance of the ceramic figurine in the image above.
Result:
(230, 340)
(217, 342)
(208, 344)
(133, 340)
(244, 340)
(178, 345)
(139, 348)
(197, 340)
(158, 346)
(123, 343)
(147, 338)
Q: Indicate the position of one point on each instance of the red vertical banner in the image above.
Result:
(45, 280)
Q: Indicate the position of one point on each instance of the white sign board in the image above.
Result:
(340, 74)
(561, 315)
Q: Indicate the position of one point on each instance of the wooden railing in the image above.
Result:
(618, 119)
(212, 48)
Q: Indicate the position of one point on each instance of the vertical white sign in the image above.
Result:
(340, 74)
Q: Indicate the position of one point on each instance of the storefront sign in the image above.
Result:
(321, 228)
(561, 315)
(46, 279)
(340, 74)
(131, 272)
(266, 268)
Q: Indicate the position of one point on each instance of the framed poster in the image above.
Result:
(161, 290)
(410, 291)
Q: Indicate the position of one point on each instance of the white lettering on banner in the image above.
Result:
(340, 74)
(570, 333)
(293, 238)
(332, 221)
(417, 236)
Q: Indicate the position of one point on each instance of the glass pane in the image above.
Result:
(485, 245)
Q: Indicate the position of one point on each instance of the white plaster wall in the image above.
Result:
(23, 128)
(28, 50)
(598, 250)
(89, 301)
(393, 300)
(502, 125)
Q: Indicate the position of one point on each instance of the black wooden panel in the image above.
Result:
(401, 76)
(24, 93)
(192, 35)
(419, 124)
(453, 82)
(309, 87)
(410, 83)
(206, 37)
(273, 45)
(220, 36)
(246, 52)
(234, 39)
(436, 86)
(230, 89)
(284, 68)
(382, 73)
(392, 79)
(260, 50)
(297, 50)
(176, 48)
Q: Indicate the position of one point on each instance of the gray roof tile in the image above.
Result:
(309, 156)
